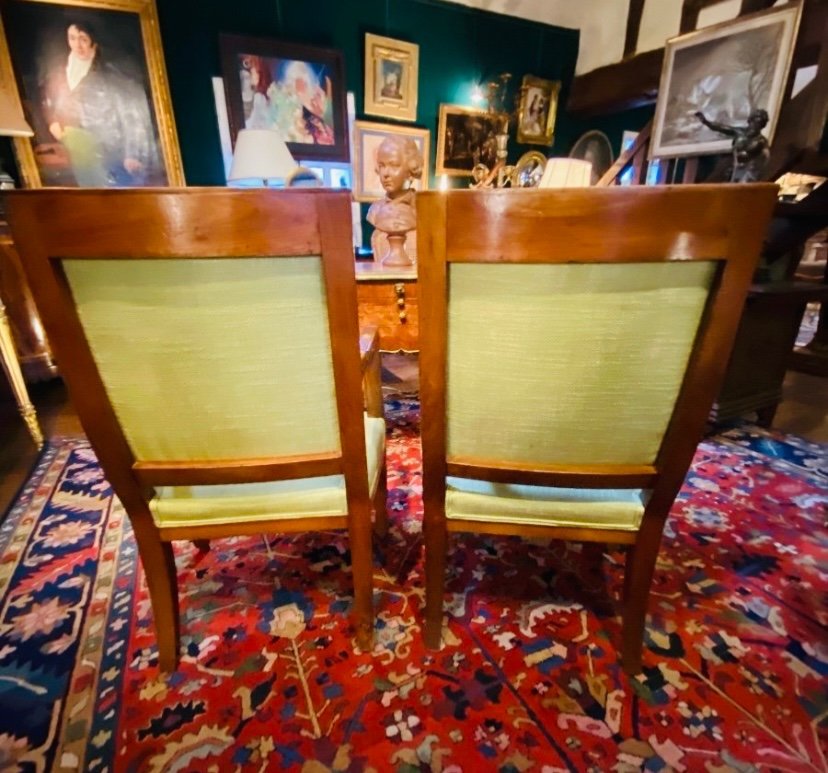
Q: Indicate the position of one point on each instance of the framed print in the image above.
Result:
(391, 77)
(466, 137)
(91, 80)
(367, 138)
(536, 113)
(723, 72)
(297, 90)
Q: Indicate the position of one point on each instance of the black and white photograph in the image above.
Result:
(720, 75)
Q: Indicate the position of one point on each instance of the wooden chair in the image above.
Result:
(210, 344)
(572, 343)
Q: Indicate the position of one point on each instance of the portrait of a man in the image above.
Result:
(390, 80)
(85, 90)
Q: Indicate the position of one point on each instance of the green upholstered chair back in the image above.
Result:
(212, 358)
(543, 358)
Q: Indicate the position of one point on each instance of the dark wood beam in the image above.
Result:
(616, 87)
(633, 26)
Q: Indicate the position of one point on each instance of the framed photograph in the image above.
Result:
(724, 71)
(90, 78)
(466, 136)
(367, 138)
(294, 89)
(536, 113)
(391, 77)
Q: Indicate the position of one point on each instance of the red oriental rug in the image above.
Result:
(528, 679)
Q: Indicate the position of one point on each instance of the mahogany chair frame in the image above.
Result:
(724, 223)
(51, 225)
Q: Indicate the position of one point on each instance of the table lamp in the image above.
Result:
(260, 157)
(566, 173)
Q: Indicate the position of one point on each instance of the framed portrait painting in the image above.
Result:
(294, 89)
(391, 71)
(91, 81)
(367, 138)
(536, 113)
(723, 72)
(466, 136)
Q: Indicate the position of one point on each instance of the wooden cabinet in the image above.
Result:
(33, 350)
(387, 298)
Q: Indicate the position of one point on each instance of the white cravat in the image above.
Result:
(76, 70)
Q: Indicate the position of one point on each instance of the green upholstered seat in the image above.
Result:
(299, 498)
(476, 500)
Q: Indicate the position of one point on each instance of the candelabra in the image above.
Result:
(501, 173)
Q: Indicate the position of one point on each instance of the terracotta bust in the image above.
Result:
(395, 217)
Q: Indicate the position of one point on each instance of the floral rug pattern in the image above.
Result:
(735, 663)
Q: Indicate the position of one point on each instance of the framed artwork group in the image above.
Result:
(97, 121)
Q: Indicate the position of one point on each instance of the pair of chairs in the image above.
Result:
(571, 346)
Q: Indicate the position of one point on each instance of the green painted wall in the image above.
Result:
(458, 46)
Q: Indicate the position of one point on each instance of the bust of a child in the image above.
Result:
(394, 217)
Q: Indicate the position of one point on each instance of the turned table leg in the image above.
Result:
(8, 357)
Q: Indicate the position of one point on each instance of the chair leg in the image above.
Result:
(359, 531)
(436, 545)
(162, 583)
(638, 575)
(381, 504)
(202, 544)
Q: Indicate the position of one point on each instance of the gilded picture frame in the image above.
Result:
(723, 71)
(123, 133)
(368, 136)
(465, 138)
(391, 73)
(537, 110)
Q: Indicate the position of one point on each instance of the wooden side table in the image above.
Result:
(8, 357)
(387, 299)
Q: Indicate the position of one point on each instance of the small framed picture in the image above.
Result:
(536, 114)
(391, 78)
(294, 89)
(367, 138)
(466, 137)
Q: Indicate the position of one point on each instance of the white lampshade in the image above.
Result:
(12, 123)
(260, 155)
(566, 173)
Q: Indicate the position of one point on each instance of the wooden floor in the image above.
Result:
(803, 411)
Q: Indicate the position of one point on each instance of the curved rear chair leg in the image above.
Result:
(638, 575)
(381, 504)
(362, 566)
(162, 583)
(436, 545)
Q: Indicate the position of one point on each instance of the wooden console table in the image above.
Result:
(387, 299)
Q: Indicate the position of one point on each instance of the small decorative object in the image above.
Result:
(536, 114)
(749, 147)
(528, 171)
(261, 156)
(296, 90)
(91, 77)
(367, 138)
(466, 137)
(725, 71)
(391, 78)
(594, 147)
(398, 161)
